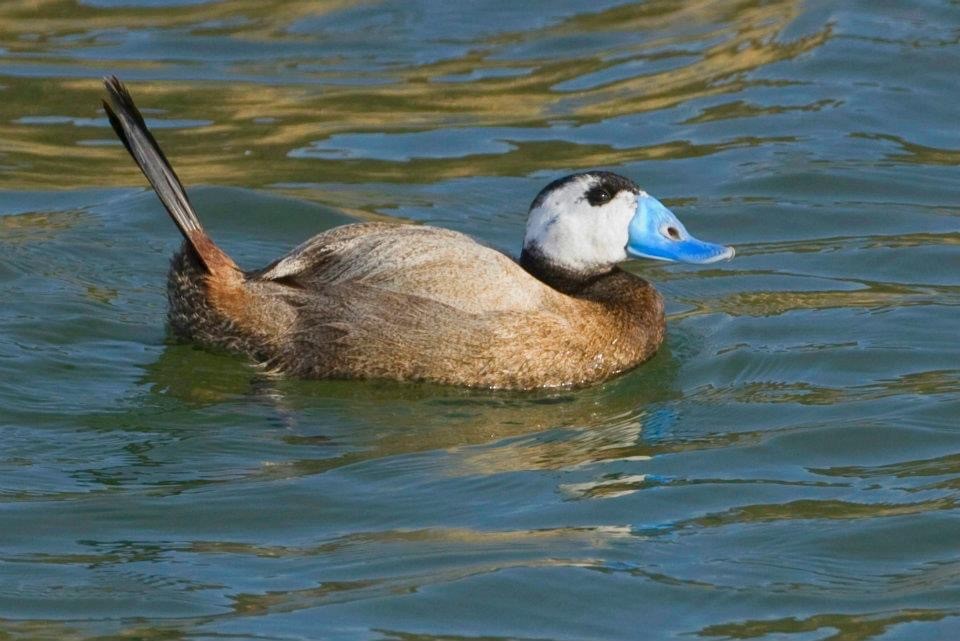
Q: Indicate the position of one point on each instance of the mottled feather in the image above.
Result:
(428, 262)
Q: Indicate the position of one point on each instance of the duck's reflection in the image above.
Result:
(491, 431)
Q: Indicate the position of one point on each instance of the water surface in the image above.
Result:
(787, 468)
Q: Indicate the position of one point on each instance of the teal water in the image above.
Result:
(787, 468)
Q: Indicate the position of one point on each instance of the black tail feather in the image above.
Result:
(132, 131)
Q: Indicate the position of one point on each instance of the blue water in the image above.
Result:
(786, 469)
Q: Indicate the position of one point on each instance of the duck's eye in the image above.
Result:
(599, 196)
(671, 232)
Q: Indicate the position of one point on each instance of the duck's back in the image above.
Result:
(414, 260)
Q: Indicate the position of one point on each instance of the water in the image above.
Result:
(787, 468)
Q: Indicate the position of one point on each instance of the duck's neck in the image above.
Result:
(567, 281)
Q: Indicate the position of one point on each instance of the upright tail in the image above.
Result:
(133, 132)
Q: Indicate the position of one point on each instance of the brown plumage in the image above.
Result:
(402, 302)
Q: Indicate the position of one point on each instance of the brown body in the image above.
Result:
(400, 302)
(408, 302)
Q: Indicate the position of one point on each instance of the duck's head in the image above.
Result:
(586, 223)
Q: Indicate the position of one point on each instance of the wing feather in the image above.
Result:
(415, 260)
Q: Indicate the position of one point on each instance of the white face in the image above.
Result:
(574, 234)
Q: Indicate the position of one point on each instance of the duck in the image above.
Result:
(410, 302)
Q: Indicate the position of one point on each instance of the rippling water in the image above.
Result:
(787, 468)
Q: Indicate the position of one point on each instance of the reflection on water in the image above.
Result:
(786, 468)
(589, 425)
(251, 133)
(839, 627)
